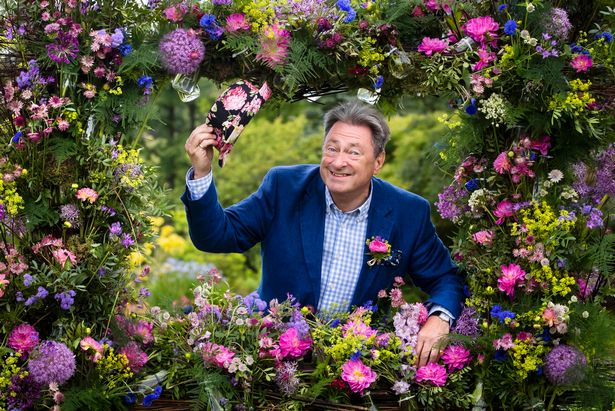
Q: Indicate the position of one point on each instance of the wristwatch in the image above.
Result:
(443, 316)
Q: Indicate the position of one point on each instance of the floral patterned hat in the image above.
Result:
(232, 111)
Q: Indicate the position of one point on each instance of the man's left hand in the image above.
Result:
(428, 343)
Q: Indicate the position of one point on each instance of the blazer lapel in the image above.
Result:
(312, 220)
(380, 224)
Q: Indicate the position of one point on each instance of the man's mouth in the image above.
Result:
(338, 174)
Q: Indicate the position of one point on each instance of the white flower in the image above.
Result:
(585, 314)
(525, 35)
(556, 176)
(574, 299)
(530, 8)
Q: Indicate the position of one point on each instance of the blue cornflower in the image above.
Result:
(379, 82)
(145, 81)
(350, 16)
(149, 398)
(335, 323)
(607, 36)
(496, 311)
(207, 21)
(575, 48)
(16, 137)
(125, 49)
(129, 399)
(344, 5)
(472, 109)
(500, 355)
(502, 7)
(355, 355)
(510, 27)
(472, 184)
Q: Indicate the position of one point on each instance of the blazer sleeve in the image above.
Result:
(432, 269)
(234, 229)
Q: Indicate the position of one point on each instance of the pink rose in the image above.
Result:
(430, 46)
(358, 375)
(291, 346)
(378, 246)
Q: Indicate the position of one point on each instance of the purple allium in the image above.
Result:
(558, 24)
(27, 391)
(23, 338)
(65, 49)
(70, 213)
(51, 362)
(564, 365)
(182, 51)
(286, 377)
(467, 323)
(447, 203)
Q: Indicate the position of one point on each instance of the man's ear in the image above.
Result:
(379, 162)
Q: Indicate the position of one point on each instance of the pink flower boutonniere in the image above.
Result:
(379, 250)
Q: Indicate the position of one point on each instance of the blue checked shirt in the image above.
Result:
(343, 249)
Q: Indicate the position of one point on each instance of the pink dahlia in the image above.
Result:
(291, 346)
(430, 46)
(23, 338)
(502, 163)
(358, 375)
(136, 357)
(236, 22)
(482, 29)
(274, 45)
(182, 51)
(512, 276)
(456, 357)
(432, 373)
(581, 62)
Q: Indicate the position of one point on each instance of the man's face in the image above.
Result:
(348, 163)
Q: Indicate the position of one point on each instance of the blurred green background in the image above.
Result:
(281, 133)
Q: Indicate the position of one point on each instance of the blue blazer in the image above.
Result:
(287, 216)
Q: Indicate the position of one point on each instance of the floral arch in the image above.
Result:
(532, 161)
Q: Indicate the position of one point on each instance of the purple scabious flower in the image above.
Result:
(558, 24)
(70, 213)
(594, 217)
(564, 365)
(65, 49)
(182, 51)
(27, 391)
(286, 377)
(127, 240)
(51, 362)
(115, 229)
(467, 323)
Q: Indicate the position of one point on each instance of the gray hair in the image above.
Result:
(358, 114)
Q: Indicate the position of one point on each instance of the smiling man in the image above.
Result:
(313, 223)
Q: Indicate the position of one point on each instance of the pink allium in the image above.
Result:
(87, 194)
(505, 208)
(481, 29)
(378, 246)
(136, 357)
(483, 237)
(456, 357)
(88, 343)
(581, 62)
(291, 346)
(274, 45)
(432, 373)
(236, 22)
(358, 375)
(512, 276)
(23, 338)
(502, 163)
(430, 46)
(182, 51)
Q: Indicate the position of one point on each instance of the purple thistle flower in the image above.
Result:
(51, 362)
(564, 365)
(182, 51)
(65, 49)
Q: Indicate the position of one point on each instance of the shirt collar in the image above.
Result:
(360, 213)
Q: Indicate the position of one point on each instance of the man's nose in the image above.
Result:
(339, 160)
